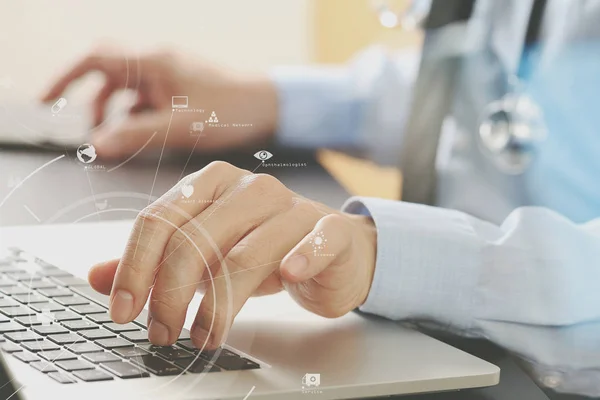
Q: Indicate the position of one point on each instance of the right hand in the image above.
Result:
(155, 78)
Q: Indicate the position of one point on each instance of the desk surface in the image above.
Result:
(64, 192)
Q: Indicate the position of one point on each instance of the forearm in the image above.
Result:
(529, 285)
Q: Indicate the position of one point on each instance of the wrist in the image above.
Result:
(366, 254)
(258, 100)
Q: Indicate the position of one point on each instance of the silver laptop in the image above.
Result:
(60, 343)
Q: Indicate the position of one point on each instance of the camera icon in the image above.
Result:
(311, 380)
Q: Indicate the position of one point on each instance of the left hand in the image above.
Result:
(266, 234)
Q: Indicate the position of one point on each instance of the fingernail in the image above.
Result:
(297, 265)
(121, 307)
(158, 333)
(201, 338)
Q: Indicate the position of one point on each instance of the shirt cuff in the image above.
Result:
(426, 266)
(318, 107)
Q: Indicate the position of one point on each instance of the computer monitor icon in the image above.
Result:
(179, 101)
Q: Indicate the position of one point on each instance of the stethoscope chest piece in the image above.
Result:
(510, 131)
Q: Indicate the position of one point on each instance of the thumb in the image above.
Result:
(328, 244)
(101, 276)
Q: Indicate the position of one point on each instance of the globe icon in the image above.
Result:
(86, 153)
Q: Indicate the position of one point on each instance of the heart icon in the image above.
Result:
(187, 190)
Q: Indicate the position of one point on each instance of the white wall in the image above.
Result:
(39, 37)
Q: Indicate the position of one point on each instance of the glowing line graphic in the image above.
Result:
(19, 184)
(250, 392)
(32, 213)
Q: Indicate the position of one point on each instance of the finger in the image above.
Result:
(151, 232)
(198, 244)
(327, 244)
(141, 103)
(101, 276)
(247, 266)
(100, 101)
(114, 67)
(132, 134)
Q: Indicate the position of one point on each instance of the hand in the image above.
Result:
(264, 232)
(156, 78)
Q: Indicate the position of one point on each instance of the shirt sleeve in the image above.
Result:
(358, 106)
(529, 285)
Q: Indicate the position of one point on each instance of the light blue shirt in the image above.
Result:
(513, 259)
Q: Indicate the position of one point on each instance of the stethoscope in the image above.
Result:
(512, 127)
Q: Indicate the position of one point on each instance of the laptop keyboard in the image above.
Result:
(48, 321)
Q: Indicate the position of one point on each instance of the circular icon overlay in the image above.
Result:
(86, 153)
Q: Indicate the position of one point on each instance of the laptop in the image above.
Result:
(59, 341)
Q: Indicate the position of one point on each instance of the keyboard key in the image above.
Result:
(136, 336)
(114, 343)
(125, 370)
(118, 328)
(8, 302)
(95, 334)
(156, 365)
(47, 307)
(48, 272)
(61, 316)
(71, 300)
(40, 345)
(210, 354)
(26, 356)
(30, 299)
(80, 325)
(92, 375)
(44, 265)
(29, 320)
(5, 281)
(196, 366)
(6, 327)
(4, 318)
(66, 338)
(10, 347)
(57, 355)
(188, 345)
(44, 366)
(74, 365)
(56, 292)
(25, 336)
(87, 347)
(41, 284)
(128, 352)
(100, 318)
(101, 357)
(184, 335)
(52, 329)
(170, 352)
(18, 311)
(88, 309)
(21, 275)
(69, 281)
(14, 290)
(61, 377)
(236, 363)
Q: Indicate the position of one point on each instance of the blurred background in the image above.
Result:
(250, 35)
(41, 38)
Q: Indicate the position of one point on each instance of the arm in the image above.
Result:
(529, 285)
(360, 106)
